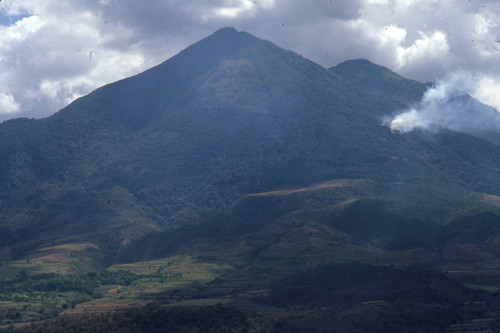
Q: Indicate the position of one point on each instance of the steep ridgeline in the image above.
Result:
(229, 116)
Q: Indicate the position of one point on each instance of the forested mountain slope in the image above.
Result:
(228, 116)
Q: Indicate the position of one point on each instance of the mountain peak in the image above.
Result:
(222, 44)
(379, 80)
(358, 62)
(226, 31)
(361, 69)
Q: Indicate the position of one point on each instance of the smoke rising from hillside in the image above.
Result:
(446, 106)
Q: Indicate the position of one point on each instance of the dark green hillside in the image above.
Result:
(228, 116)
(229, 167)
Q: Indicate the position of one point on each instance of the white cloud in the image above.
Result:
(234, 9)
(20, 31)
(377, 2)
(63, 50)
(8, 103)
(488, 91)
(429, 47)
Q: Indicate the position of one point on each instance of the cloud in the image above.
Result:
(235, 9)
(8, 104)
(53, 51)
(445, 106)
(487, 91)
(430, 46)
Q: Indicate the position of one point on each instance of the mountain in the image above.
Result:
(380, 81)
(230, 166)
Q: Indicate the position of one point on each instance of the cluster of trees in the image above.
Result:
(45, 296)
(85, 283)
(153, 318)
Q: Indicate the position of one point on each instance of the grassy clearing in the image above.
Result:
(70, 258)
(314, 187)
(14, 269)
(105, 305)
(491, 289)
(201, 302)
(490, 198)
(184, 267)
(382, 302)
(474, 326)
(172, 279)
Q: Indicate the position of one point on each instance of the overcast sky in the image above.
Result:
(53, 51)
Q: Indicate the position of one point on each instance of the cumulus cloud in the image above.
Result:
(445, 106)
(44, 56)
(8, 104)
(53, 51)
(488, 91)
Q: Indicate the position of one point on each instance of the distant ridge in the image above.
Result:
(380, 80)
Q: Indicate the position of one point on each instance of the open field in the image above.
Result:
(315, 187)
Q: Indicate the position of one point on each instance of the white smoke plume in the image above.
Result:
(447, 106)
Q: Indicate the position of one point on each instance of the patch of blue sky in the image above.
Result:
(6, 20)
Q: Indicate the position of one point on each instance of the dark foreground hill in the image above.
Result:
(229, 167)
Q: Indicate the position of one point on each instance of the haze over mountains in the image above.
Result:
(238, 152)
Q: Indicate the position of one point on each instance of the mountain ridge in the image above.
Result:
(361, 72)
(236, 90)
